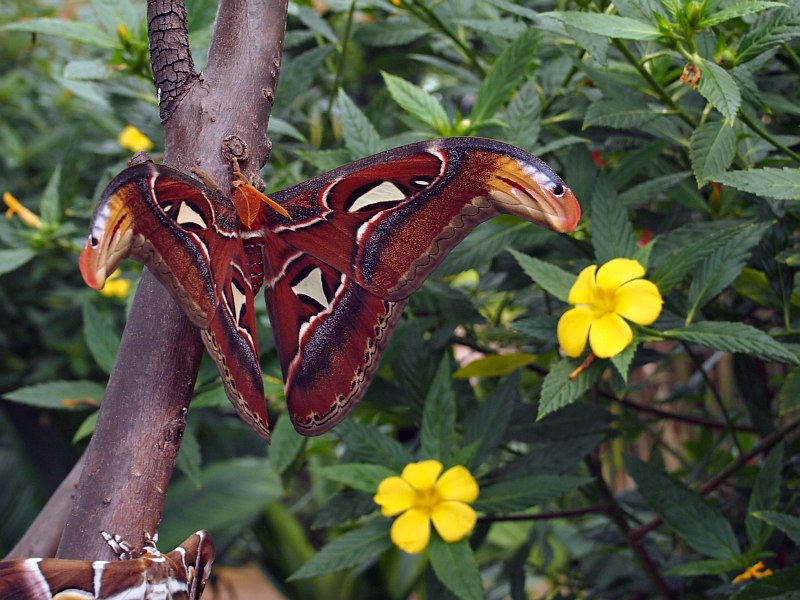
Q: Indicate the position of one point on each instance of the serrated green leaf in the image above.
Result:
(704, 567)
(393, 32)
(359, 135)
(789, 394)
(354, 547)
(701, 526)
(596, 45)
(101, 338)
(612, 233)
(788, 524)
(232, 494)
(363, 477)
(781, 585)
(439, 415)
(344, 507)
(734, 337)
(504, 77)
(522, 493)
(734, 11)
(506, 29)
(74, 31)
(524, 116)
(554, 280)
(190, 458)
(647, 191)
(711, 150)
(764, 497)
(618, 114)
(558, 390)
(541, 328)
(366, 443)
(50, 204)
(781, 184)
(720, 268)
(13, 259)
(455, 566)
(285, 445)
(494, 365)
(487, 425)
(417, 102)
(622, 361)
(59, 394)
(769, 30)
(719, 88)
(610, 26)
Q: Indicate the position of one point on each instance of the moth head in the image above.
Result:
(534, 192)
(110, 238)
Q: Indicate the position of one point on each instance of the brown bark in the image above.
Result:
(132, 454)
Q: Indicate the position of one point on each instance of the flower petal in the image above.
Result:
(618, 271)
(583, 290)
(411, 531)
(573, 329)
(422, 475)
(609, 336)
(394, 496)
(457, 483)
(638, 301)
(453, 520)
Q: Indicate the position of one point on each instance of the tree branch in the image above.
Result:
(132, 454)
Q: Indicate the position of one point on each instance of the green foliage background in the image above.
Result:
(697, 178)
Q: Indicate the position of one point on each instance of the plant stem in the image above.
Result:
(767, 136)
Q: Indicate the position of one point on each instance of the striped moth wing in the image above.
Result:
(146, 574)
(338, 266)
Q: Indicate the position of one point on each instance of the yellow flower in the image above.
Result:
(422, 496)
(757, 571)
(134, 140)
(604, 298)
(25, 215)
(116, 287)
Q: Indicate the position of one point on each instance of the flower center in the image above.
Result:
(426, 499)
(603, 301)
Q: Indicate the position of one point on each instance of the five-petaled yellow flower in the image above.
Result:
(134, 140)
(422, 496)
(757, 571)
(604, 298)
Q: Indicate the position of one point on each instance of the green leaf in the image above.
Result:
(354, 547)
(764, 497)
(788, 524)
(86, 428)
(417, 102)
(487, 424)
(610, 26)
(618, 114)
(522, 493)
(719, 88)
(702, 527)
(455, 566)
(734, 337)
(734, 11)
(13, 259)
(622, 361)
(612, 233)
(781, 184)
(439, 415)
(359, 476)
(59, 394)
(232, 494)
(554, 280)
(524, 116)
(768, 31)
(101, 338)
(711, 150)
(190, 458)
(91, 70)
(778, 586)
(50, 205)
(366, 443)
(720, 268)
(495, 365)
(704, 567)
(504, 77)
(360, 136)
(74, 31)
(789, 394)
(558, 390)
(285, 445)
(647, 191)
